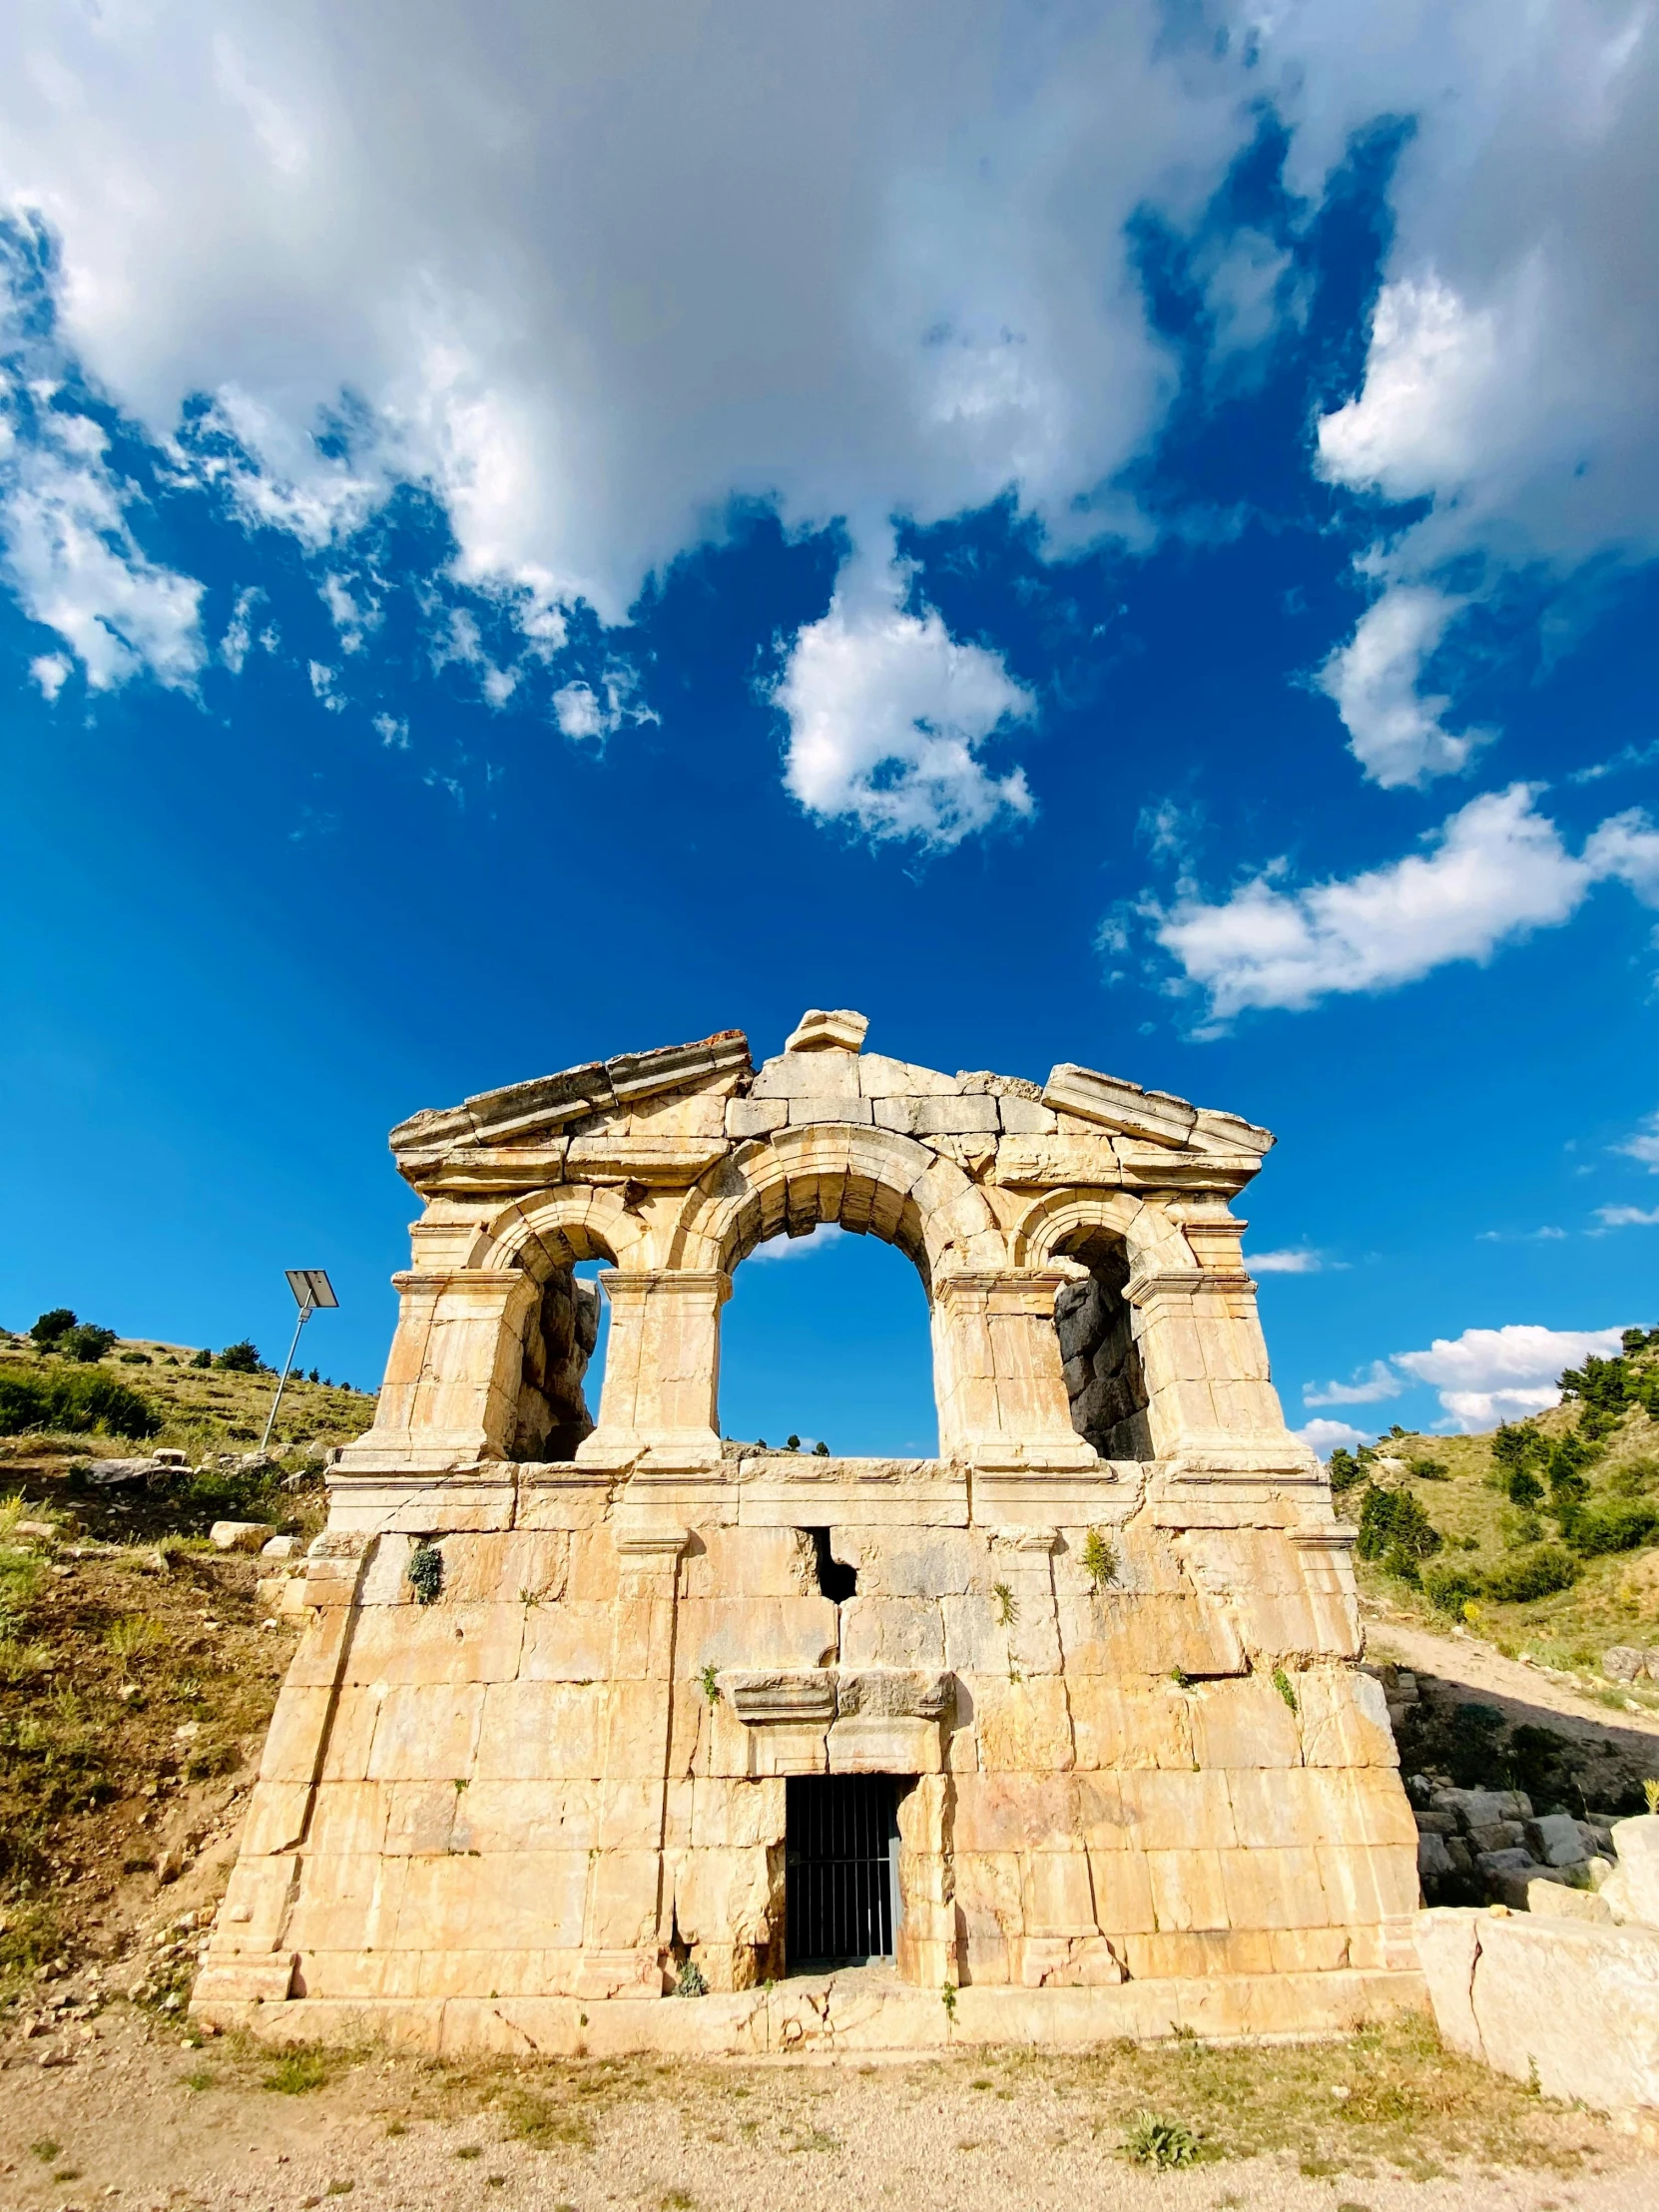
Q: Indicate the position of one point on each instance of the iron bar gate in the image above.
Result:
(838, 1868)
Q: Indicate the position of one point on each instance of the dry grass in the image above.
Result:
(1389, 2099)
(1615, 1600)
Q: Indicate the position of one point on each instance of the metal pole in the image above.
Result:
(306, 1312)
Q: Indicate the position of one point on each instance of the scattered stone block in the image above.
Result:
(1555, 1841)
(1637, 1879)
(1560, 1900)
(238, 1535)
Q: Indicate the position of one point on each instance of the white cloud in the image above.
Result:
(51, 671)
(887, 713)
(325, 686)
(1508, 379)
(68, 551)
(1395, 732)
(580, 712)
(1644, 1146)
(392, 730)
(798, 1248)
(354, 616)
(1493, 871)
(1297, 1260)
(1627, 1216)
(594, 272)
(591, 274)
(1325, 1435)
(1365, 1388)
(1491, 1375)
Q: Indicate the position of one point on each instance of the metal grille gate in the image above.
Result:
(839, 1867)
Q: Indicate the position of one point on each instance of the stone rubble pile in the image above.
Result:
(1491, 1843)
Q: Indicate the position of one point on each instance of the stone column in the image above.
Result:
(1205, 1363)
(662, 1368)
(450, 1394)
(997, 1375)
(625, 1939)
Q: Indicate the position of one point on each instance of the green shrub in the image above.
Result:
(1393, 1525)
(1450, 1589)
(242, 1357)
(425, 1573)
(1539, 1572)
(1346, 1471)
(57, 1322)
(86, 1342)
(70, 1402)
(1525, 1491)
(1153, 2140)
(205, 1359)
(1616, 1527)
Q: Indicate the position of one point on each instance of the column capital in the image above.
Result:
(690, 1281)
(1173, 1282)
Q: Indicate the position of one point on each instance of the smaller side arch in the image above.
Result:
(1101, 1237)
(555, 1229)
(555, 1335)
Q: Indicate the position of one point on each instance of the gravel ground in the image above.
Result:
(140, 2123)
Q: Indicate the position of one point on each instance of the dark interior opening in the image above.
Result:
(1101, 1361)
(559, 1339)
(841, 1869)
(835, 1578)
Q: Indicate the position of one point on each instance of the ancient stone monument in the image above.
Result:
(1066, 1721)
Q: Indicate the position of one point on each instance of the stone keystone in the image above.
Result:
(817, 1031)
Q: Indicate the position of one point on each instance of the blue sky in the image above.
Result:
(1119, 534)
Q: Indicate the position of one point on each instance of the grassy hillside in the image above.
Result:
(1542, 1535)
(201, 1409)
(138, 1666)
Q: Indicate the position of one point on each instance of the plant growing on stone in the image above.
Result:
(1007, 1607)
(1153, 2140)
(1282, 1683)
(425, 1573)
(1099, 1559)
(692, 1981)
(947, 1997)
(1650, 1790)
(711, 1686)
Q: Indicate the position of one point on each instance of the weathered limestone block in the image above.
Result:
(1633, 1893)
(1574, 2007)
(892, 1632)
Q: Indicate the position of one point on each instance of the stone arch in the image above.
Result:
(1056, 1225)
(555, 1229)
(557, 1325)
(1101, 1238)
(871, 1180)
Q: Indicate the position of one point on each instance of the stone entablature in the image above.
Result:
(568, 1771)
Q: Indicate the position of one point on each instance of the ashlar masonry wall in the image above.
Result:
(1117, 1695)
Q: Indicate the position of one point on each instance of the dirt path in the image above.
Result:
(139, 2121)
(1468, 1663)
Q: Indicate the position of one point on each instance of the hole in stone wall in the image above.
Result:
(836, 1580)
(1101, 1361)
(560, 1340)
(827, 1337)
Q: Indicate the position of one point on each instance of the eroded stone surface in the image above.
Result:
(1104, 1644)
